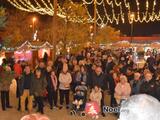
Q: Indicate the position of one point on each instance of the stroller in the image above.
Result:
(79, 101)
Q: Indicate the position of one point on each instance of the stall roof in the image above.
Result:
(34, 45)
(141, 39)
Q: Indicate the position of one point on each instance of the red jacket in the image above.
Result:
(17, 69)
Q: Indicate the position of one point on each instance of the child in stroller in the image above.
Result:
(79, 100)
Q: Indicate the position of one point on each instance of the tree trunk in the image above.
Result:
(95, 21)
(65, 37)
(54, 27)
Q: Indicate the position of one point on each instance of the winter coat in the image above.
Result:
(96, 96)
(99, 80)
(122, 91)
(39, 86)
(65, 81)
(135, 86)
(151, 61)
(5, 80)
(149, 88)
(109, 66)
(21, 84)
(130, 77)
(50, 86)
(90, 78)
(49, 81)
(17, 70)
(81, 77)
(58, 66)
(112, 83)
(43, 71)
(73, 85)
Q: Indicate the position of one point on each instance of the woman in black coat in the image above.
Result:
(52, 84)
(38, 88)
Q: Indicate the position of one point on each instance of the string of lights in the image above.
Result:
(144, 16)
(29, 45)
(110, 16)
(99, 3)
(88, 2)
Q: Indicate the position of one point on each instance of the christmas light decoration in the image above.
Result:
(107, 15)
(143, 16)
(30, 46)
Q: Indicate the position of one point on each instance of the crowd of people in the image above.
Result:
(100, 70)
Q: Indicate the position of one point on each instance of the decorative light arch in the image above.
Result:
(123, 15)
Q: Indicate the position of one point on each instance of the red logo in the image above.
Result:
(92, 108)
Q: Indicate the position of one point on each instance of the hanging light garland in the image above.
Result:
(35, 6)
(45, 7)
(143, 16)
(30, 46)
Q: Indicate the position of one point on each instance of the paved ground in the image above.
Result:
(13, 114)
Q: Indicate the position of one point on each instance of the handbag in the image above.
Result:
(45, 93)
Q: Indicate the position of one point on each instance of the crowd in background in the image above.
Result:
(99, 70)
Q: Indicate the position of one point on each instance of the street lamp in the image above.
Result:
(34, 19)
(131, 21)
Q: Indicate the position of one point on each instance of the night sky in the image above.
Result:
(139, 29)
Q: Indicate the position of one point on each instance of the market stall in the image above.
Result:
(121, 44)
(31, 51)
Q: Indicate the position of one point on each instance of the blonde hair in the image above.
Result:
(124, 78)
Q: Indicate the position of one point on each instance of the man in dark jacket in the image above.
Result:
(58, 65)
(99, 80)
(26, 89)
(41, 67)
(148, 86)
(136, 83)
(151, 62)
(129, 74)
(109, 65)
(90, 71)
(112, 86)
